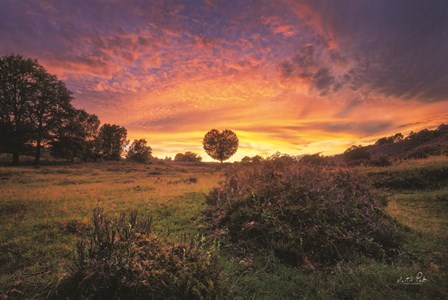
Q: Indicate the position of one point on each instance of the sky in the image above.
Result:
(293, 76)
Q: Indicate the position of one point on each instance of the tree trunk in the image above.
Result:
(37, 156)
(15, 157)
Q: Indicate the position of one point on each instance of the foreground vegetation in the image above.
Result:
(44, 211)
(305, 216)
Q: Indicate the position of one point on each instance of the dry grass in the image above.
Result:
(422, 212)
(42, 207)
(402, 165)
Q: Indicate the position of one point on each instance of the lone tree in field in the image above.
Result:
(139, 151)
(220, 145)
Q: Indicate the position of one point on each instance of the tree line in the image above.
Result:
(36, 112)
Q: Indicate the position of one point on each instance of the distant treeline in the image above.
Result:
(36, 112)
(416, 145)
(419, 144)
(420, 136)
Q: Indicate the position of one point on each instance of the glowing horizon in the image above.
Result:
(298, 77)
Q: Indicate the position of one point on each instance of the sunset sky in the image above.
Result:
(297, 77)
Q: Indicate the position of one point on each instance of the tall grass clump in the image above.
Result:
(123, 258)
(304, 215)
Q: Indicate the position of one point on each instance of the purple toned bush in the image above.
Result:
(122, 258)
(303, 214)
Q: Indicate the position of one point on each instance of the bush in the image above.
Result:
(314, 159)
(381, 161)
(256, 159)
(188, 156)
(411, 179)
(124, 259)
(423, 152)
(303, 214)
(356, 155)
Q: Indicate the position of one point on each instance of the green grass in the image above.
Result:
(42, 209)
(410, 175)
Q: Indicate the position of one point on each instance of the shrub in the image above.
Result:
(423, 152)
(356, 154)
(256, 159)
(381, 161)
(411, 179)
(188, 156)
(123, 259)
(314, 159)
(302, 214)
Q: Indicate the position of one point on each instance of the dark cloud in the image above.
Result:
(348, 109)
(409, 124)
(362, 128)
(313, 65)
(323, 79)
(400, 47)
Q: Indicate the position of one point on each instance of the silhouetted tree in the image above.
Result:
(139, 151)
(76, 136)
(442, 128)
(52, 101)
(421, 136)
(67, 147)
(111, 141)
(246, 160)
(32, 105)
(280, 158)
(313, 159)
(90, 124)
(220, 145)
(398, 137)
(356, 153)
(187, 156)
(17, 90)
(257, 159)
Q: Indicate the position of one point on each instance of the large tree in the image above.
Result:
(50, 105)
(18, 86)
(32, 104)
(220, 145)
(76, 136)
(111, 141)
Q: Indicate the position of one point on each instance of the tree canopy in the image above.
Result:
(356, 153)
(36, 112)
(28, 100)
(111, 141)
(139, 151)
(220, 145)
(76, 136)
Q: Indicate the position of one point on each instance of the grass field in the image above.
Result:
(42, 210)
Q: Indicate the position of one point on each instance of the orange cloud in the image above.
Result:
(281, 74)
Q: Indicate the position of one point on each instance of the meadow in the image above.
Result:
(43, 210)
